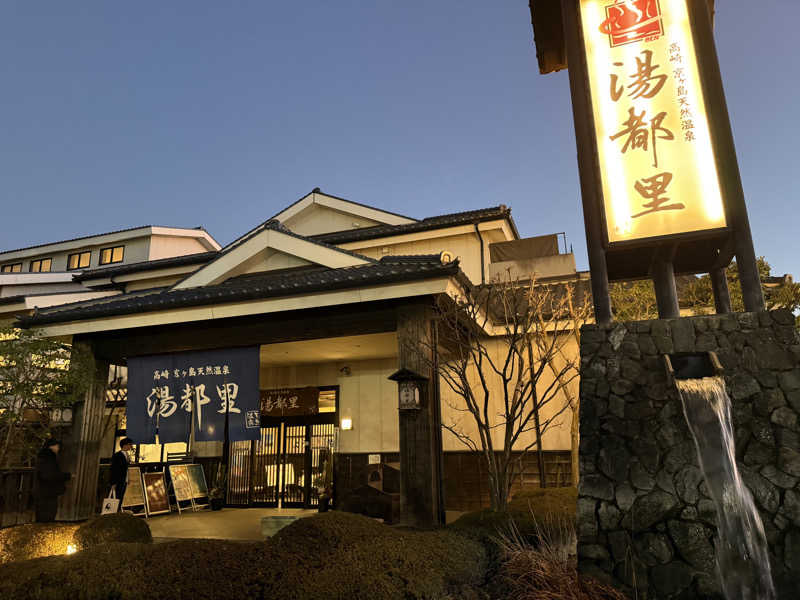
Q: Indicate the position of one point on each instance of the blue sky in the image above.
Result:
(221, 113)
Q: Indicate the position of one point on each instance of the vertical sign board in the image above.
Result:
(657, 165)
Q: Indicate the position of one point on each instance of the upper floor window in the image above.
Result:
(15, 268)
(112, 255)
(79, 260)
(42, 265)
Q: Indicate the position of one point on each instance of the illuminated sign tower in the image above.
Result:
(659, 178)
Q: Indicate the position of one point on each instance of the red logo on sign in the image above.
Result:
(632, 21)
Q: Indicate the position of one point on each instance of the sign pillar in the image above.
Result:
(591, 194)
(722, 136)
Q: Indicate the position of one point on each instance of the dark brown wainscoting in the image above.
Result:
(466, 483)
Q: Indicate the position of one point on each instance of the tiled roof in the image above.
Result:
(267, 285)
(449, 220)
(149, 265)
(86, 237)
(316, 190)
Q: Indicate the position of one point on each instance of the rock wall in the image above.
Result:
(645, 520)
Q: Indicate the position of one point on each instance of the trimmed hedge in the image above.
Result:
(24, 542)
(331, 555)
(119, 527)
(531, 511)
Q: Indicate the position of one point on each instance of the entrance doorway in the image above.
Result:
(286, 467)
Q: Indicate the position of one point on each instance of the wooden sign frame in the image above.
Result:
(134, 476)
(197, 494)
(180, 483)
(155, 477)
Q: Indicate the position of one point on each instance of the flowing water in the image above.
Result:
(741, 551)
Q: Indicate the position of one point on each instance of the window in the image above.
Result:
(42, 265)
(112, 255)
(15, 268)
(79, 260)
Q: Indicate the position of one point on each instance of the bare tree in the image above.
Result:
(504, 350)
(37, 377)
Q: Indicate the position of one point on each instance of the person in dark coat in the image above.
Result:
(119, 468)
(50, 481)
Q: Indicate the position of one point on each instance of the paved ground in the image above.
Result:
(226, 524)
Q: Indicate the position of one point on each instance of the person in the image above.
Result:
(119, 468)
(50, 480)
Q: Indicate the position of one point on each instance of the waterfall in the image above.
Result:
(741, 553)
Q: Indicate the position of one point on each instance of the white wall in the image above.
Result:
(555, 438)
(165, 246)
(319, 219)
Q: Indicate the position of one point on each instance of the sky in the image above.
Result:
(114, 115)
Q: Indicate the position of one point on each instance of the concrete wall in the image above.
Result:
(466, 247)
(557, 437)
(645, 519)
(322, 219)
(166, 246)
(543, 266)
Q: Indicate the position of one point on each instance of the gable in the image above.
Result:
(318, 213)
(269, 248)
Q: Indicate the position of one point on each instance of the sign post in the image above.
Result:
(659, 178)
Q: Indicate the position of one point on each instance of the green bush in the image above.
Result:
(328, 556)
(24, 542)
(118, 527)
(531, 511)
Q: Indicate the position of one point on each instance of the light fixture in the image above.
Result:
(345, 371)
(71, 549)
(410, 389)
(347, 424)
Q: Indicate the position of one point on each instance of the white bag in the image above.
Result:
(110, 504)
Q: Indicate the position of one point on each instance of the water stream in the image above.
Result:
(741, 551)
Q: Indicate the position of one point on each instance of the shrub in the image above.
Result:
(24, 542)
(118, 527)
(530, 512)
(546, 571)
(332, 555)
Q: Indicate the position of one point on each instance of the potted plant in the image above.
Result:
(216, 496)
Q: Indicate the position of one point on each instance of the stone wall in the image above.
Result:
(645, 519)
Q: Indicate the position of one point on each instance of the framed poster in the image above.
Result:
(180, 482)
(155, 488)
(134, 493)
(197, 477)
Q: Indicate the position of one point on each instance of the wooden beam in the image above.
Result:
(725, 152)
(116, 346)
(422, 500)
(719, 285)
(588, 166)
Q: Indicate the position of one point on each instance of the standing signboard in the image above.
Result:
(134, 492)
(181, 486)
(197, 480)
(175, 394)
(155, 493)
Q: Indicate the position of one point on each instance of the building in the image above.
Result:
(50, 274)
(329, 290)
